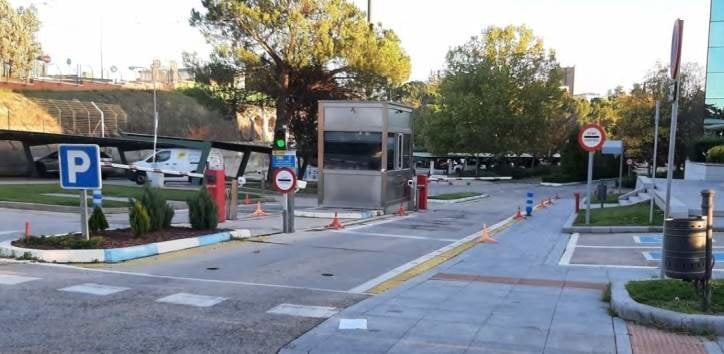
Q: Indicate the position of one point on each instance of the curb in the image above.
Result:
(55, 208)
(459, 200)
(628, 309)
(114, 255)
(437, 178)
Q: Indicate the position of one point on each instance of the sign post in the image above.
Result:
(591, 138)
(285, 181)
(676, 40)
(80, 168)
(653, 163)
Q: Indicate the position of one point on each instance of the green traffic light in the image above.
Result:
(280, 143)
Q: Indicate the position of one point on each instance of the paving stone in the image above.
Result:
(431, 331)
(395, 310)
(562, 341)
(474, 316)
(406, 347)
(522, 336)
(369, 344)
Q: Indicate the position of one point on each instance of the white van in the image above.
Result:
(181, 160)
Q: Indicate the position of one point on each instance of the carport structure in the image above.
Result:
(131, 142)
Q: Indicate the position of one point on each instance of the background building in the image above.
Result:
(715, 68)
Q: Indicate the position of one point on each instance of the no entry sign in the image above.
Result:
(284, 180)
(591, 137)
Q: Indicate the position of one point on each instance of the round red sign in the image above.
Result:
(284, 180)
(591, 137)
(676, 41)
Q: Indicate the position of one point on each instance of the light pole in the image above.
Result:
(155, 110)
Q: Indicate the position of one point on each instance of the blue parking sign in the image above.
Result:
(80, 166)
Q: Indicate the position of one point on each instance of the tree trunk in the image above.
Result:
(305, 163)
(283, 99)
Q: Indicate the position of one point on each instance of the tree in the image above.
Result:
(18, 44)
(300, 51)
(501, 93)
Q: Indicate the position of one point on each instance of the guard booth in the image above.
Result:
(364, 155)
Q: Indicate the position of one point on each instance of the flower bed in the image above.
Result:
(107, 239)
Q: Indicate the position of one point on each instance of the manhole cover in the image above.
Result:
(212, 268)
(327, 274)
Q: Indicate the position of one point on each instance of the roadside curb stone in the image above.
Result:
(628, 309)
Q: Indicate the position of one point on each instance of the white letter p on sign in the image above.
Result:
(78, 162)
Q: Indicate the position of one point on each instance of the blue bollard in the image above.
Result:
(97, 198)
(529, 204)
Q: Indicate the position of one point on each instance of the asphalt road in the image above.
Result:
(313, 268)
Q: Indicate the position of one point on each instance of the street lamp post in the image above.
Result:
(155, 111)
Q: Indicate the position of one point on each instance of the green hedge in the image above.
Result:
(698, 150)
(715, 154)
(562, 178)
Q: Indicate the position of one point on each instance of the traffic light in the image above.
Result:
(280, 138)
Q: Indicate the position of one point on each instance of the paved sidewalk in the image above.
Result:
(509, 297)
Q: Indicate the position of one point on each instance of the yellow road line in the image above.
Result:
(430, 263)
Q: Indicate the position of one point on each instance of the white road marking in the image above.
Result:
(303, 311)
(356, 227)
(570, 248)
(9, 279)
(649, 257)
(353, 323)
(215, 281)
(191, 300)
(584, 265)
(366, 286)
(376, 234)
(94, 289)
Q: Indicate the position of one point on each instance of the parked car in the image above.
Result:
(48, 165)
(181, 160)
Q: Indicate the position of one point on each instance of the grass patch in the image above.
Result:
(630, 215)
(70, 241)
(676, 295)
(33, 193)
(611, 198)
(457, 195)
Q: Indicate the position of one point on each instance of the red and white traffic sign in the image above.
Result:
(629, 162)
(591, 137)
(284, 180)
(676, 41)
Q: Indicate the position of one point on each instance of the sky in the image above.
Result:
(610, 42)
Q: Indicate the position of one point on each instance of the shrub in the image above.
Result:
(97, 221)
(202, 211)
(562, 178)
(698, 150)
(63, 242)
(158, 210)
(138, 218)
(715, 154)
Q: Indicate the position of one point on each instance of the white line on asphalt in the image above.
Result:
(375, 234)
(356, 227)
(94, 289)
(191, 300)
(366, 286)
(216, 281)
(570, 247)
(303, 311)
(9, 279)
(620, 266)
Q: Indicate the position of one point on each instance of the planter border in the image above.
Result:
(554, 184)
(627, 308)
(114, 255)
(459, 200)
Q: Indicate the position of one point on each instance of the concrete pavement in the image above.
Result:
(509, 297)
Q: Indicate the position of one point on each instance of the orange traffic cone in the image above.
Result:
(401, 211)
(519, 215)
(335, 224)
(485, 236)
(27, 230)
(247, 201)
(541, 204)
(259, 211)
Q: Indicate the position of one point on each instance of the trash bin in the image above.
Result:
(685, 248)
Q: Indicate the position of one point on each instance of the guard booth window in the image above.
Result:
(353, 151)
(399, 151)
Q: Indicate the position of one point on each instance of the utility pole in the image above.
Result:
(369, 12)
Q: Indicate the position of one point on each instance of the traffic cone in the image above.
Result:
(541, 205)
(259, 211)
(550, 201)
(335, 224)
(247, 201)
(401, 211)
(27, 230)
(557, 197)
(519, 215)
(485, 236)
